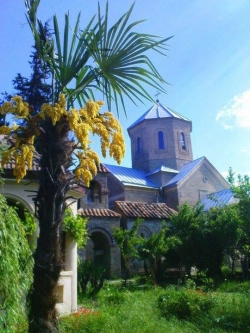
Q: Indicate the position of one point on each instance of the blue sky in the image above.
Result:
(207, 66)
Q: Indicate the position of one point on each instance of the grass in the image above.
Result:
(139, 310)
(172, 309)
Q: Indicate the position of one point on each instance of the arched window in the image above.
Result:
(160, 140)
(183, 141)
(139, 145)
(94, 192)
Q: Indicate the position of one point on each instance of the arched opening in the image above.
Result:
(21, 207)
(98, 251)
(94, 192)
(160, 140)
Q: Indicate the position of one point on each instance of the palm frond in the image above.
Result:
(112, 60)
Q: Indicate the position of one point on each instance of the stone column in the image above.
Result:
(71, 265)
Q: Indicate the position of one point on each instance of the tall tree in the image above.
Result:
(241, 190)
(37, 89)
(222, 227)
(112, 60)
(34, 90)
(186, 228)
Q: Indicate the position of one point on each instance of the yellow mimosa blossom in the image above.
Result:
(82, 123)
(17, 107)
(5, 130)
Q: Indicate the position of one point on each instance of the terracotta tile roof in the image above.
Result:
(35, 165)
(144, 210)
(97, 212)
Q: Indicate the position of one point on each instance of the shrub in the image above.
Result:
(184, 304)
(90, 276)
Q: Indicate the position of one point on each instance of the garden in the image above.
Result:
(142, 308)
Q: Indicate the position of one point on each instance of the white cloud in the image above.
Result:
(236, 113)
(245, 150)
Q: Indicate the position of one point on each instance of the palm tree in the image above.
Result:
(110, 60)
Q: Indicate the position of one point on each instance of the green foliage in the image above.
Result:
(114, 60)
(235, 287)
(128, 241)
(112, 295)
(222, 237)
(231, 312)
(78, 323)
(15, 268)
(121, 310)
(204, 238)
(76, 225)
(152, 249)
(241, 191)
(187, 235)
(29, 223)
(90, 277)
(185, 304)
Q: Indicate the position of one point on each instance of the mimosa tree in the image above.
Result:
(110, 60)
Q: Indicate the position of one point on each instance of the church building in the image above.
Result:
(163, 176)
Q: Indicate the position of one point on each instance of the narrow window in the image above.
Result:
(139, 145)
(160, 140)
(183, 141)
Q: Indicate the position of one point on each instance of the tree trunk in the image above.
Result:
(55, 150)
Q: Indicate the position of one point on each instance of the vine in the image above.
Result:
(76, 225)
(15, 268)
(29, 223)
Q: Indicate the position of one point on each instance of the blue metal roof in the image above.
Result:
(184, 172)
(158, 111)
(130, 176)
(162, 168)
(217, 199)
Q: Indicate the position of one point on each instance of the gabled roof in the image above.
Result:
(218, 199)
(162, 168)
(130, 176)
(97, 212)
(144, 210)
(185, 171)
(158, 111)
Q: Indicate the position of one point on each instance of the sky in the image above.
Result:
(207, 66)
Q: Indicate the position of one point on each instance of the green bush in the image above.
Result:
(184, 304)
(90, 277)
